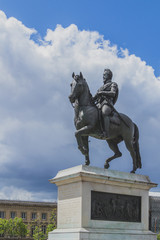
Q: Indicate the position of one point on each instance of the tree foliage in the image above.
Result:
(13, 228)
(53, 221)
(17, 228)
(38, 233)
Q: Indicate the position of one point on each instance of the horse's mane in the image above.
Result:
(90, 95)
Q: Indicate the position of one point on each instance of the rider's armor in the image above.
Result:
(109, 87)
(106, 97)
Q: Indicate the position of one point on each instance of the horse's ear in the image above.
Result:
(73, 75)
(81, 75)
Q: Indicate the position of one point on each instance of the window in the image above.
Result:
(32, 230)
(13, 215)
(23, 215)
(44, 216)
(2, 214)
(34, 216)
(44, 229)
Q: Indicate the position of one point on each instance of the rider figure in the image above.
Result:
(105, 98)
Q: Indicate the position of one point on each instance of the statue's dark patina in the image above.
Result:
(97, 117)
(105, 98)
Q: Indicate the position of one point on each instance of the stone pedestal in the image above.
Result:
(99, 204)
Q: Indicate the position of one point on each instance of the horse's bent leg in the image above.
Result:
(82, 132)
(86, 145)
(136, 146)
(129, 145)
(113, 145)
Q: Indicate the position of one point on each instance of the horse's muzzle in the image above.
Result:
(71, 98)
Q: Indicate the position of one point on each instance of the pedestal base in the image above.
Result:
(98, 204)
(100, 234)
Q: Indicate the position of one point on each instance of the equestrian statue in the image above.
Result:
(97, 117)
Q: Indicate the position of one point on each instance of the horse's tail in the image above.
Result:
(136, 146)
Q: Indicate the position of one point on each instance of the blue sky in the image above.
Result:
(130, 24)
(41, 44)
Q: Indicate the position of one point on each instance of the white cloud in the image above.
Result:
(13, 193)
(36, 118)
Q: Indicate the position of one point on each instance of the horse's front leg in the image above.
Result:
(79, 134)
(86, 145)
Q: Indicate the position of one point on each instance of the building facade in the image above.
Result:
(154, 206)
(32, 213)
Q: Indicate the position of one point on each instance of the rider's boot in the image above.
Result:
(106, 126)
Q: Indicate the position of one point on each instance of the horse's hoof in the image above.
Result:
(106, 165)
(87, 163)
(132, 171)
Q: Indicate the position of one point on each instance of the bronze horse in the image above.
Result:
(87, 124)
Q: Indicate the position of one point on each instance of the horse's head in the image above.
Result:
(77, 86)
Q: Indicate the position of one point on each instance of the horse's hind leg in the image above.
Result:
(114, 146)
(86, 145)
(130, 147)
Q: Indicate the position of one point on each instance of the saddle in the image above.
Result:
(114, 119)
